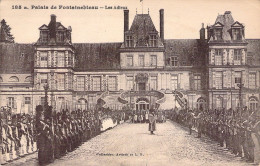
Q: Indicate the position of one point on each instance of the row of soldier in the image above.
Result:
(17, 135)
(59, 133)
(236, 130)
(142, 116)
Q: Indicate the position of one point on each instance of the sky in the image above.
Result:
(183, 18)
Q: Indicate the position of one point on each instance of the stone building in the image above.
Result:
(144, 71)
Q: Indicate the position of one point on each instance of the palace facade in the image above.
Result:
(219, 70)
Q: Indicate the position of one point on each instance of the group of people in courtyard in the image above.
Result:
(236, 130)
(51, 133)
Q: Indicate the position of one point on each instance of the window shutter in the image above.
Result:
(55, 58)
(37, 59)
(225, 80)
(214, 79)
(224, 57)
(91, 83)
(244, 78)
(228, 79)
(66, 79)
(243, 57)
(66, 58)
(212, 56)
(233, 79)
(49, 58)
(75, 82)
(231, 56)
(210, 79)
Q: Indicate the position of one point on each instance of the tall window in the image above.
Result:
(61, 103)
(43, 59)
(44, 36)
(197, 82)
(153, 60)
(253, 104)
(96, 83)
(61, 81)
(141, 60)
(129, 41)
(218, 34)
(153, 41)
(218, 80)
(153, 85)
(81, 83)
(237, 56)
(129, 60)
(27, 100)
(60, 36)
(218, 57)
(11, 102)
(129, 82)
(61, 60)
(44, 79)
(112, 84)
(174, 82)
(252, 80)
(238, 78)
(42, 101)
(219, 102)
(174, 61)
(236, 34)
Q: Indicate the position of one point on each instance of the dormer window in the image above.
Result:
(60, 36)
(129, 41)
(236, 34)
(44, 36)
(153, 41)
(218, 34)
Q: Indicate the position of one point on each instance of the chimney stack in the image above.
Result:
(126, 20)
(162, 24)
(202, 32)
(52, 27)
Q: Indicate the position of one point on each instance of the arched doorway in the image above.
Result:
(201, 103)
(253, 103)
(82, 104)
(142, 104)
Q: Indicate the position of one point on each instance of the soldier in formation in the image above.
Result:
(17, 135)
(61, 132)
(236, 130)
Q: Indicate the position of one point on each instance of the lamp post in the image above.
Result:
(240, 86)
(46, 87)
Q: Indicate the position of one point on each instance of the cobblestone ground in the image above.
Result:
(132, 145)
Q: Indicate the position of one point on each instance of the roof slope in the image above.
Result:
(227, 20)
(91, 56)
(253, 51)
(16, 58)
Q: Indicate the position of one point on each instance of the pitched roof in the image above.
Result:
(227, 20)
(253, 51)
(188, 51)
(92, 56)
(141, 23)
(16, 58)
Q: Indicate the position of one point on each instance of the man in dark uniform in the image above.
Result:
(41, 135)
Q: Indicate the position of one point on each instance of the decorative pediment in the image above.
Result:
(237, 24)
(61, 27)
(218, 24)
(44, 27)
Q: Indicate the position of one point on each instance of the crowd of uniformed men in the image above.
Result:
(142, 116)
(53, 134)
(236, 130)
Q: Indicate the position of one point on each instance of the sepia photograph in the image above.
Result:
(130, 82)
